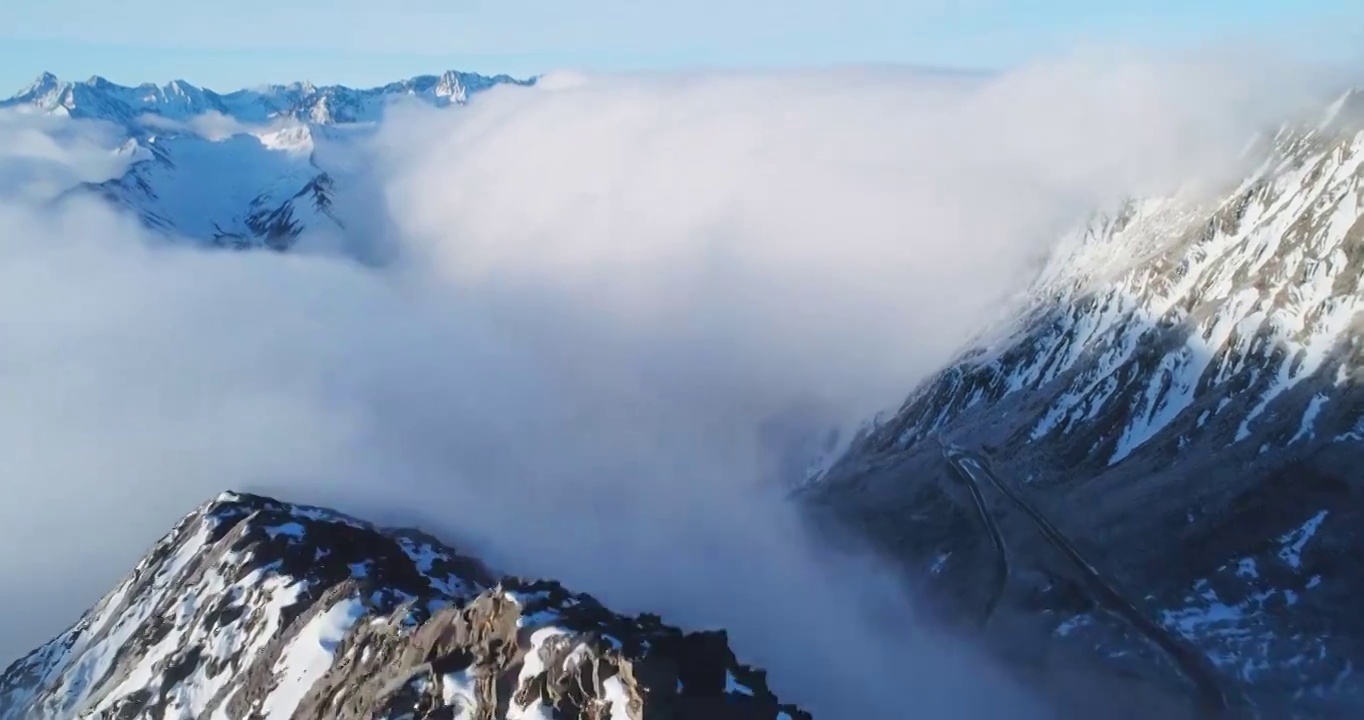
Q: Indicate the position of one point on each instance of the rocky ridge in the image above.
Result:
(254, 608)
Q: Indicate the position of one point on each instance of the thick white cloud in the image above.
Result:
(211, 125)
(42, 156)
(856, 224)
(607, 293)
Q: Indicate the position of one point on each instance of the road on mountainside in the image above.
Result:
(1192, 663)
(1001, 575)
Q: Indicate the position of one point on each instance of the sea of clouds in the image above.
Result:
(612, 309)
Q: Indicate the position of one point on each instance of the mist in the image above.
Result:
(612, 313)
(42, 156)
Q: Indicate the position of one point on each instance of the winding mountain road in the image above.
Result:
(1192, 663)
(1001, 574)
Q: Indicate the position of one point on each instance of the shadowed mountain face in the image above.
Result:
(1182, 396)
(256, 608)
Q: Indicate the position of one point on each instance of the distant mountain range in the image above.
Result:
(301, 101)
(256, 180)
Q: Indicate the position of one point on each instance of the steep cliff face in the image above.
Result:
(1182, 394)
(252, 608)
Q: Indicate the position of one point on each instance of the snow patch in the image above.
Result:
(1294, 541)
(308, 657)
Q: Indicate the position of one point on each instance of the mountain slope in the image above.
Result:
(255, 608)
(1181, 395)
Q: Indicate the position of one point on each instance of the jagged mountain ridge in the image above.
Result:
(256, 608)
(1181, 392)
(303, 102)
(242, 169)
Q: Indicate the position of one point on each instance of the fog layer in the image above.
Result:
(616, 309)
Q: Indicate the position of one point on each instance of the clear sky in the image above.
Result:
(234, 43)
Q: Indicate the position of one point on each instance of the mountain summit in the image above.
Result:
(254, 608)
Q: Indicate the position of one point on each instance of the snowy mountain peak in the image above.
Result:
(43, 84)
(256, 608)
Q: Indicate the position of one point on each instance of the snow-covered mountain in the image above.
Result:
(302, 102)
(253, 608)
(243, 169)
(1181, 396)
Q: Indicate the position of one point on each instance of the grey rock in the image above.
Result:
(253, 608)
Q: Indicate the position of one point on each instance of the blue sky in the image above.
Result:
(246, 42)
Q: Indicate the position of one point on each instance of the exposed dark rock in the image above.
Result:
(254, 608)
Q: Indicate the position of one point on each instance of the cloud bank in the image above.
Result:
(212, 125)
(617, 310)
(42, 156)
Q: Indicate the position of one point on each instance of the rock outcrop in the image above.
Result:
(254, 608)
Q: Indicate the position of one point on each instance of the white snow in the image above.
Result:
(1271, 283)
(732, 685)
(425, 556)
(614, 691)
(199, 165)
(1233, 632)
(308, 656)
(459, 691)
(533, 665)
(540, 618)
(1294, 541)
(1309, 418)
(84, 667)
(1071, 624)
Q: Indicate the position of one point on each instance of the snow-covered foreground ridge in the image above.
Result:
(255, 608)
(250, 168)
